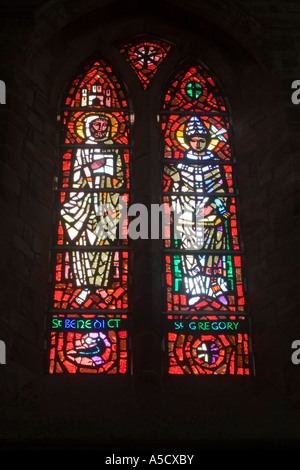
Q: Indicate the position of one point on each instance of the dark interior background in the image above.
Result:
(253, 48)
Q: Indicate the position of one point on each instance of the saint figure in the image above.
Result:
(202, 215)
(97, 170)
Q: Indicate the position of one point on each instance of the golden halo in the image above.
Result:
(79, 124)
(180, 137)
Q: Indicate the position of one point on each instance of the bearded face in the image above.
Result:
(99, 128)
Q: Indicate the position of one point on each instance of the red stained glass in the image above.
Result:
(176, 145)
(194, 90)
(145, 56)
(92, 289)
(95, 87)
(203, 258)
(88, 344)
(90, 256)
(208, 345)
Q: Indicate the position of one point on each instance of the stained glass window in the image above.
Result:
(144, 56)
(206, 323)
(207, 326)
(88, 324)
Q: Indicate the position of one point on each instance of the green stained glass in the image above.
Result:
(202, 248)
(90, 262)
(193, 90)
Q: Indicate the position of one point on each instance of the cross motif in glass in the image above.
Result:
(145, 57)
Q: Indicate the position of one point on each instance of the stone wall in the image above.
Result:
(253, 49)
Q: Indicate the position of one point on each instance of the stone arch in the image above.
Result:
(47, 59)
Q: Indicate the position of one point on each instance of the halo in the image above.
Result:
(180, 137)
(79, 125)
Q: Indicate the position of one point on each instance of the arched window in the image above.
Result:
(204, 292)
(205, 321)
(91, 256)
